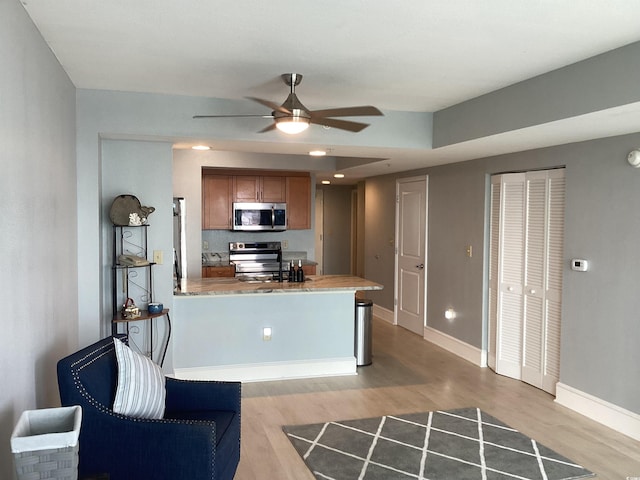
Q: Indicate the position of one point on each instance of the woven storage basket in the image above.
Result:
(45, 443)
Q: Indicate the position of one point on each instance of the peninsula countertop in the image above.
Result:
(312, 283)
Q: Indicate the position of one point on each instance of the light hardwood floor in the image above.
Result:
(408, 375)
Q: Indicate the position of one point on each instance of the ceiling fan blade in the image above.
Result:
(268, 129)
(233, 116)
(273, 106)
(363, 110)
(341, 124)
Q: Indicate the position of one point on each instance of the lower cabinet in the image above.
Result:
(212, 272)
(309, 270)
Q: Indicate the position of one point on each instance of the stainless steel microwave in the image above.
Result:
(271, 217)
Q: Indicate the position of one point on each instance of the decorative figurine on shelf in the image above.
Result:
(124, 206)
(129, 309)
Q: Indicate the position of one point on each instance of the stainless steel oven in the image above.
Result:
(257, 261)
(271, 217)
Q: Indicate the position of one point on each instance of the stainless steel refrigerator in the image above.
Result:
(179, 241)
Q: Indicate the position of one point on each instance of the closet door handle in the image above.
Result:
(420, 267)
(510, 289)
(532, 291)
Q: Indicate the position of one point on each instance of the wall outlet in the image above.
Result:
(157, 257)
(285, 244)
(205, 245)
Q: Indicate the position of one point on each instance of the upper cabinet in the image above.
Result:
(299, 203)
(222, 187)
(216, 201)
(255, 188)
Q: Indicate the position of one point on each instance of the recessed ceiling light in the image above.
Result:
(317, 153)
(338, 175)
(201, 147)
(326, 182)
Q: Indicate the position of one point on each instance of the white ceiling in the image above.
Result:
(414, 55)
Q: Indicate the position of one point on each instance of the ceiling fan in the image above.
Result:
(293, 117)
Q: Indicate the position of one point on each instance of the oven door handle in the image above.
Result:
(273, 216)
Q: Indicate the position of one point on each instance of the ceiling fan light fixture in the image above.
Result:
(292, 125)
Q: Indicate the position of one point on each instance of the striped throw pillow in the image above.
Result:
(140, 391)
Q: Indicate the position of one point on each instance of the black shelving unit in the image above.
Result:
(134, 281)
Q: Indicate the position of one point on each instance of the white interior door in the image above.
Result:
(411, 233)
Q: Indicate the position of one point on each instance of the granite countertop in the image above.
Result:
(313, 283)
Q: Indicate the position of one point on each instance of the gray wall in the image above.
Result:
(337, 229)
(599, 353)
(598, 83)
(38, 222)
(379, 237)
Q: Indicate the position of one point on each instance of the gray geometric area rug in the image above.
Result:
(462, 444)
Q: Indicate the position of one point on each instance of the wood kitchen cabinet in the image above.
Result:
(213, 272)
(299, 202)
(216, 202)
(255, 188)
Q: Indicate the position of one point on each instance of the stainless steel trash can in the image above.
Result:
(363, 333)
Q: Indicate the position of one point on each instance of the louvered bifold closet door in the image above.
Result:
(511, 276)
(534, 283)
(554, 267)
(526, 256)
(494, 248)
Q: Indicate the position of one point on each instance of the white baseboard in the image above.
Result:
(601, 411)
(383, 314)
(259, 372)
(458, 347)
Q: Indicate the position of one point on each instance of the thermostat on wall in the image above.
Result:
(579, 265)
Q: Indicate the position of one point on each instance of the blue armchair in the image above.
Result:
(198, 438)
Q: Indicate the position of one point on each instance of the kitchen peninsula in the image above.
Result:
(225, 328)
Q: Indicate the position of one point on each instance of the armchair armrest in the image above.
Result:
(196, 395)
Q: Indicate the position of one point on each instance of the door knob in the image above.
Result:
(533, 291)
(510, 289)
(420, 267)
